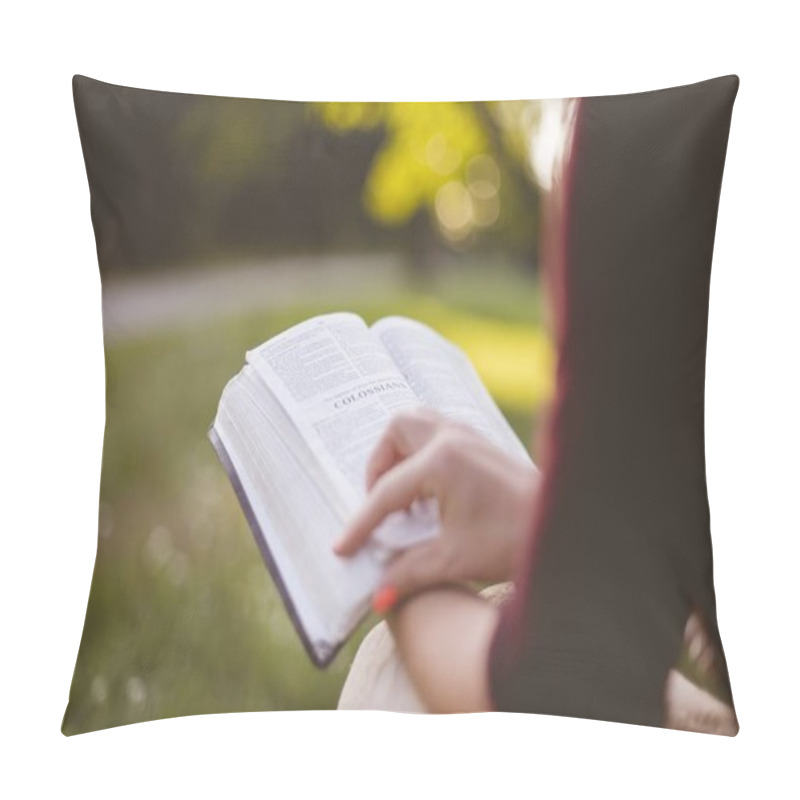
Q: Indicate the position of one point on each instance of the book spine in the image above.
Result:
(320, 653)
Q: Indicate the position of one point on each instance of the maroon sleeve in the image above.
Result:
(620, 550)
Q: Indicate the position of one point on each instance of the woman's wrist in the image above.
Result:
(443, 636)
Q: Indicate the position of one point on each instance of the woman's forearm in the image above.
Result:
(443, 636)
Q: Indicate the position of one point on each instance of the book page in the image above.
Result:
(288, 498)
(340, 387)
(443, 378)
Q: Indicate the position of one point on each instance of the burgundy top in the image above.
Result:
(620, 551)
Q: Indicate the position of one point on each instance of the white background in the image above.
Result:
(53, 386)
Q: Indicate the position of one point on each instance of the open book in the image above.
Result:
(295, 430)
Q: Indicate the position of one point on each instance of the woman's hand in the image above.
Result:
(486, 500)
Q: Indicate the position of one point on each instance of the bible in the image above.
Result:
(294, 431)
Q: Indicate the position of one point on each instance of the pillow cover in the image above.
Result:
(220, 222)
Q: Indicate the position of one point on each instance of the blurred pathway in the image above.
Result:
(135, 305)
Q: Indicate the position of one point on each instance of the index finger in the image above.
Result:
(396, 490)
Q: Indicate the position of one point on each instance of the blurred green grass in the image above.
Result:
(182, 616)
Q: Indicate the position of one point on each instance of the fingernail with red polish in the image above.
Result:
(384, 599)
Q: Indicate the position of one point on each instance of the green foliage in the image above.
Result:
(465, 164)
